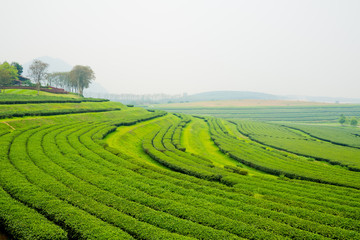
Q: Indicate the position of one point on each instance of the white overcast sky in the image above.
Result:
(306, 47)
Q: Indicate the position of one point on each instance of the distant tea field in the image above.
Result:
(240, 103)
(265, 110)
(95, 169)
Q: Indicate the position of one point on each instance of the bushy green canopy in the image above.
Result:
(11, 70)
(8, 73)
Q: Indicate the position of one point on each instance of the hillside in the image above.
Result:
(94, 169)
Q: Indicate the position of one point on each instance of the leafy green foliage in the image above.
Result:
(5, 78)
(8, 74)
(18, 67)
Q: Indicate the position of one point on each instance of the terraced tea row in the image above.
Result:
(32, 99)
(48, 109)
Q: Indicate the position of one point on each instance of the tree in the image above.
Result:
(342, 119)
(8, 74)
(354, 122)
(37, 71)
(5, 79)
(18, 67)
(82, 76)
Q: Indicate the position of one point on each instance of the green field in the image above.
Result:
(101, 170)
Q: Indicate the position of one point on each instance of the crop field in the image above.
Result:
(311, 113)
(116, 172)
(240, 103)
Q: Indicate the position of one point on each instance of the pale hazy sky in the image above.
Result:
(307, 47)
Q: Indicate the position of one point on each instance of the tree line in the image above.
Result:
(74, 81)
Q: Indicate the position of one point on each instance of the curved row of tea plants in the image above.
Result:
(345, 136)
(48, 109)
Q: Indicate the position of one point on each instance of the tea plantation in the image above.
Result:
(94, 169)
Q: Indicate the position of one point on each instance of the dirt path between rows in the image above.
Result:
(9, 125)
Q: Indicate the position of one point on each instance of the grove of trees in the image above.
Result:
(74, 81)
